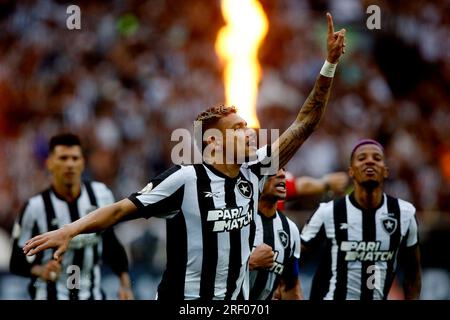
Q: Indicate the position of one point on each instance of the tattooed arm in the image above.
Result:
(314, 107)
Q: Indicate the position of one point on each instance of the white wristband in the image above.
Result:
(328, 69)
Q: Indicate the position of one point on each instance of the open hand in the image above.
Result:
(58, 239)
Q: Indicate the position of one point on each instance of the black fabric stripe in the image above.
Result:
(161, 177)
(31, 288)
(394, 241)
(257, 167)
(234, 262)
(168, 205)
(369, 235)
(173, 281)
(22, 211)
(90, 193)
(321, 280)
(263, 274)
(210, 249)
(95, 261)
(288, 252)
(78, 254)
(18, 263)
(340, 216)
(95, 248)
(50, 216)
(251, 239)
(285, 224)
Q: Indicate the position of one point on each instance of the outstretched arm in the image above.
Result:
(97, 220)
(336, 182)
(314, 107)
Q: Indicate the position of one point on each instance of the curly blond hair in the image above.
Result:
(208, 119)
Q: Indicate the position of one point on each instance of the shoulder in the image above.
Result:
(406, 206)
(327, 207)
(292, 224)
(407, 211)
(34, 205)
(99, 186)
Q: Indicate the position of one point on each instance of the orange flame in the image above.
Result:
(237, 46)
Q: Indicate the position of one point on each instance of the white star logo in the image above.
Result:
(244, 189)
(389, 225)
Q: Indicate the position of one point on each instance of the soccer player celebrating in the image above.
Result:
(366, 232)
(210, 205)
(279, 237)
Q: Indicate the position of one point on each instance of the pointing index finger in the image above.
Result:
(330, 24)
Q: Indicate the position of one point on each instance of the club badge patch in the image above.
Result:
(389, 225)
(284, 238)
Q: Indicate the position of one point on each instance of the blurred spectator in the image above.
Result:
(137, 70)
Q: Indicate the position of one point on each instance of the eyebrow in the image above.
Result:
(240, 124)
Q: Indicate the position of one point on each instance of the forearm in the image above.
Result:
(102, 218)
(307, 186)
(292, 292)
(412, 286)
(307, 120)
(125, 281)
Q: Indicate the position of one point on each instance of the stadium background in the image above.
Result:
(137, 70)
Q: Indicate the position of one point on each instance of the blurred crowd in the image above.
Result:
(137, 70)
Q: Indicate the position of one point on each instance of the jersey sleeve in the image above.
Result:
(163, 195)
(296, 240)
(311, 229)
(264, 166)
(114, 253)
(408, 223)
(412, 235)
(24, 229)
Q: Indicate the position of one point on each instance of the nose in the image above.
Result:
(281, 173)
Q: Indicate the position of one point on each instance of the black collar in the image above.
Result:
(356, 204)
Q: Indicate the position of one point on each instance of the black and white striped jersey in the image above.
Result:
(362, 246)
(208, 228)
(283, 236)
(47, 211)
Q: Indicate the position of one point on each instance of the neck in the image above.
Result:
(368, 198)
(68, 192)
(230, 170)
(267, 207)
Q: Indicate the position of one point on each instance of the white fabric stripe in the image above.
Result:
(191, 211)
(88, 264)
(334, 254)
(41, 286)
(385, 239)
(258, 240)
(243, 280)
(223, 240)
(355, 233)
(331, 234)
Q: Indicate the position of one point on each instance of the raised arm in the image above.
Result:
(97, 220)
(314, 107)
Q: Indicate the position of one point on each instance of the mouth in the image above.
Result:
(370, 171)
(281, 187)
